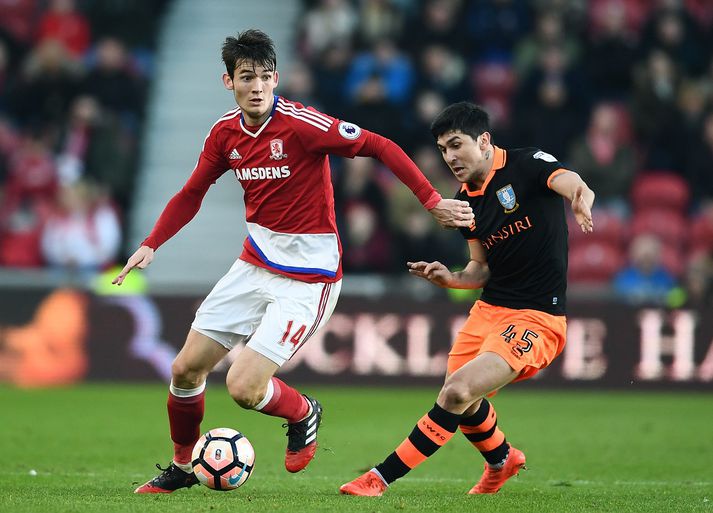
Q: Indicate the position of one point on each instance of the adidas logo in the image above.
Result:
(234, 155)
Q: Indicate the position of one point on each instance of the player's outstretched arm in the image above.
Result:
(452, 213)
(474, 276)
(141, 259)
(571, 186)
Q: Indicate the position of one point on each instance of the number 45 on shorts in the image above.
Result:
(523, 344)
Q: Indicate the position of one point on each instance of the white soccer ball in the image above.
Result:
(223, 459)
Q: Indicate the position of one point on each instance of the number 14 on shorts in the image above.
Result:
(296, 337)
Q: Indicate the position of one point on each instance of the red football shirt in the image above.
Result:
(283, 168)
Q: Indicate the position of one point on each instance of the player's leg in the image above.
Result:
(252, 385)
(295, 311)
(464, 349)
(186, 404)
(479, 424)
(529, 341)
(502, 461)
(479, 421)
(486, 373)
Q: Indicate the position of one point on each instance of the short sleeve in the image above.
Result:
(542, 166)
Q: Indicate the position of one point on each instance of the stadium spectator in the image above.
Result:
(382, 73)
(495, 28)
(64, 24)
(644, 280)
(366, 242)
(549, 32)
(32, 173)
(440, 70)
(332, 68)
(610, 56)
(427, 104)
(438, 22)
(17, 23)
(112, 82)
(672, 29)
(81, 235)
(300, 85)
(6, 79)
(93, 145)
(551, 102)
(604, 159)
(698, 283)
(699, 158)
(693, 98)
(136, 23)
(551, 118)
(379, 19)
(331, 22)
(20, 234)
(635, 14)
(358, 182)
(378, 86)
(9, 141)
(285, 284)
(49, 82)
(654, 110)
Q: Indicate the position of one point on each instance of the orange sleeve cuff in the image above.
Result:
(554, 174)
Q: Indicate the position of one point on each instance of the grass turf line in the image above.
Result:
(587, 451)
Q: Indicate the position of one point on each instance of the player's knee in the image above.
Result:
(455, 394)
(244, 394)
(185, 375)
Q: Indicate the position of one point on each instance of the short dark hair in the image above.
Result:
(252, 45)
(465, 117)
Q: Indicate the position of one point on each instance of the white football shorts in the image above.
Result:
(275, 314)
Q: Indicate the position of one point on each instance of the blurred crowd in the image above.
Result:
(620, 91)
(73, 81)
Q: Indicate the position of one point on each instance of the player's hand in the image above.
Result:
(141, 259)
(453, 213)
(435, 272)
(582, 212)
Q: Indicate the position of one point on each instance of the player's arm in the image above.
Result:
(178, 212)
(450, 213)
(570, 185)
(336, 137)
(473, 276)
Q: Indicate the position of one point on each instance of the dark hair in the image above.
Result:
(465, 117)
(252, 45)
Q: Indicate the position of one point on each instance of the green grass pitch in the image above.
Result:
(586, 451)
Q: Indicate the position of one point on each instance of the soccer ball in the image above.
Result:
(223, 459)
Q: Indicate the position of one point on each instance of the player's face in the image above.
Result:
(252, 86)
(466, 157)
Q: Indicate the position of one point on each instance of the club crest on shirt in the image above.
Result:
(506, 197)
(276, 150)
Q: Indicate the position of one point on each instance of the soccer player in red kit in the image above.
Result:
(285, 284)
(518, 254)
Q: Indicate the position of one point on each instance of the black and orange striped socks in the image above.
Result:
(432, 431)
(481, 429)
